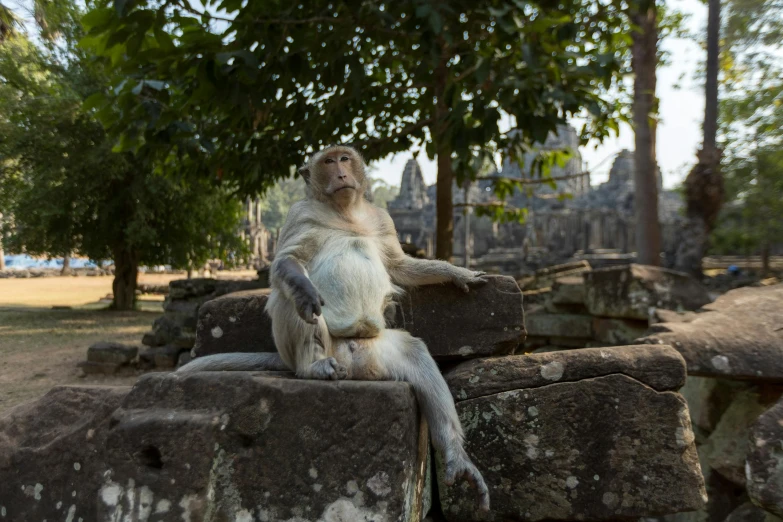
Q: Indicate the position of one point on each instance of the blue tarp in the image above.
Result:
(25, 262)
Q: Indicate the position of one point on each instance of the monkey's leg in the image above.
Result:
(304, 347)
(397, 355)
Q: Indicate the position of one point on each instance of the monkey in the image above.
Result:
(338, 267)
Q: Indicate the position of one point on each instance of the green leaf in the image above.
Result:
(94, 101)
(97, 17)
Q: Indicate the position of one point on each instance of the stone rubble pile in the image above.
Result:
(174, 333)
(109, 358)
(592, 434)
(734, 352)
(607, 306)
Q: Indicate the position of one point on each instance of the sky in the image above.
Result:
(679, 129)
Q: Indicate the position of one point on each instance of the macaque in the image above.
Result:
(338, 266)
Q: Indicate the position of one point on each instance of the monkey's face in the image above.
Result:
(337, 173)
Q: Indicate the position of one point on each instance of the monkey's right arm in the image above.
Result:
(291, 275)
(298, 244)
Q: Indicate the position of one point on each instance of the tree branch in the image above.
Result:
(185, 4)
(403, 132)
(522, 181)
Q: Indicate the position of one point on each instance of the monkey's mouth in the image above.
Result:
(343, 188)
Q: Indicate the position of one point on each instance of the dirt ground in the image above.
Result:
(40, 346)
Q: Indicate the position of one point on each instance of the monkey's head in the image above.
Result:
(335, 174)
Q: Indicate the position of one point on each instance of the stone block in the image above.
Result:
(109, 352)
(634, 291)
(560, 325)
(613, 331)
(161, 357)
(727, 446)
(106, 368)
(659, 367)
(488, 320)
(234, 323)
(52, 454)
(593, 434)
(765, 461)
(569, 290)
(739, 336)
(747, 512)
(218, 446)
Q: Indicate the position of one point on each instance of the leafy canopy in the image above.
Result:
(65, 191)
(242, 91)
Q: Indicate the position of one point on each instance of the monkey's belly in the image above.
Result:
(353, 281)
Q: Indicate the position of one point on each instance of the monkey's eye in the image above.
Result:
(328, 160)
(344, 158)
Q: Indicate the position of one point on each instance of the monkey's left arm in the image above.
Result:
(409, 271)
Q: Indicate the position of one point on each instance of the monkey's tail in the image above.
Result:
(235, 362)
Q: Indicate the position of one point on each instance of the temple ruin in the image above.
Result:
(574, 219)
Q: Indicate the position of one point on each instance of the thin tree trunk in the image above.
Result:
(2, 257)
(765, 259)
(126, 271)
(711, 84)
(444, 228)
(648, 229)
(704, 184)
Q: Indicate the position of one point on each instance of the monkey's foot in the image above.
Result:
(327, 369)
(460, 467)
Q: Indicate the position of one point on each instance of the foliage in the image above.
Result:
(67, 192)
(382, 192)
(248, 89)
(278, 200)
(751, 125)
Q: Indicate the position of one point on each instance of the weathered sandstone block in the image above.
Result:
(569, 290)
(633, 291)
(739, 336)
(486, 321)
(614, 331)
(592, 434)
(235, 323)
(110, 352)
(52, 451)
(560, 325)
(764, 469)
(218, 446)
(727, 446)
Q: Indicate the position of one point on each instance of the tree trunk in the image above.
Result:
(765, 259)
(648, 229)
(126, 271)
(711, 83)
(444, 228)
(704, 184)
(2, 257)
(66, 265)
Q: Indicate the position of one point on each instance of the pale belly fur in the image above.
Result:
(352, 279)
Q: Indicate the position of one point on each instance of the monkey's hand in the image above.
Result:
(307, 300)
(463, 277)
(461, 467)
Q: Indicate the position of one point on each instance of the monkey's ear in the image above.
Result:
(305, 173)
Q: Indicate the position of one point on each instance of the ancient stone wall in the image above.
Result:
(590, 434)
